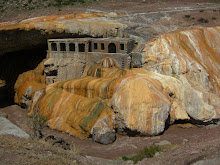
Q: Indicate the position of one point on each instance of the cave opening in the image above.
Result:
(14, 63)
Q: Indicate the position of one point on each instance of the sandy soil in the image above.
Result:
(189, 143)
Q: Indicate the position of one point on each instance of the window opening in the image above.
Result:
(52, 73)
(54, 47)
(62, 47)
(81, 47)
(102, 46)
(95, 46)
(90, 46)
(122, 47)
(112, 48)
(71, 47)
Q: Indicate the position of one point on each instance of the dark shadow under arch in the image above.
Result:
(111, 48)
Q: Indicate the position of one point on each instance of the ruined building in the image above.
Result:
(67, 58)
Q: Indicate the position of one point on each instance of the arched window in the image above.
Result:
(54, 47)
(112, 48)
(62, 47)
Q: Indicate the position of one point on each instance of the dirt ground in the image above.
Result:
(189, 143)
(122, 6)
(143, 17)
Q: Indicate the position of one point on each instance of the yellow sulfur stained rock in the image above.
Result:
(180, 81)
(2, 82)
(141, 100)
(27, 83)
(63, 23)
(77, 115)
(140, 105)
(191, 55)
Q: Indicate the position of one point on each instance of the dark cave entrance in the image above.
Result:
(14, 63)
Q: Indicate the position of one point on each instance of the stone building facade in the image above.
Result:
(68, 58)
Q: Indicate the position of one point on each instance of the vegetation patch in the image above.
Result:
(36, 124)
(15, 150)
(145, 153)
(187, 16)
(214, 18)
(32, 4)
(202, 20)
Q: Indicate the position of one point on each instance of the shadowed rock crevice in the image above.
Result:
(21, 51)
(29, 39)
(14, 63)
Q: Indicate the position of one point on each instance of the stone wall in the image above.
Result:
(67, 58)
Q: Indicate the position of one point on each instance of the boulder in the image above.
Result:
(76, 115)
(140, 105)
(102, 131)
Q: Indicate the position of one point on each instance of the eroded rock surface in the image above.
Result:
(27, 84)
(190, 55)
(180, 81)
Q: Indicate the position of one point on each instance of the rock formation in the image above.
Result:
(141, 101)
(36, 31)
(27, 84)
(179, 81)
(24, 43)
(192, 56)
